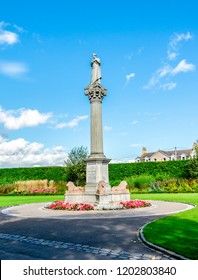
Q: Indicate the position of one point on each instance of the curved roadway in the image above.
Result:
(33, 232)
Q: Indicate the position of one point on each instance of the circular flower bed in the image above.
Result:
(135, 204)
(61, 205)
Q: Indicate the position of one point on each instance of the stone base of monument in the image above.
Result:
(72, 198)
(102, 198)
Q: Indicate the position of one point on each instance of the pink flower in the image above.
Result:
(61, 205)
(135, 204)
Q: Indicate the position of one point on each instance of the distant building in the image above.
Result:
(161, 155)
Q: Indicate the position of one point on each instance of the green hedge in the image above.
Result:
(119, 171)
(11, 175)
(171, 169)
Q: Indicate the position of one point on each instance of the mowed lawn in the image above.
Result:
(22, 199)
(178, 232)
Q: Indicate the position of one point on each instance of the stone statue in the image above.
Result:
(101, 188)
(96, 71)
(72, 189)
(121, 188)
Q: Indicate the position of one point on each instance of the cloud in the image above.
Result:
(17, 119)
(130, 76)
(107, 128)
(168, 86)
(13, 69)
(168, 71)
(72, 123)
(163, 75)
(172, 55)
(175, 43)
(19, 29)
(183, 66)
(20, 152)
(136, 145)
(7, 37)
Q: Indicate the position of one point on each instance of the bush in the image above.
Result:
(76, 174)
(60, 187)
(167, 169)
(7, 189)
(193, 167)
(132, 204)
(61, 205)
(179, 186)
(75, 165)
(29, 187)
(12, 175)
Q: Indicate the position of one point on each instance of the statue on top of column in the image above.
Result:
(96, 71)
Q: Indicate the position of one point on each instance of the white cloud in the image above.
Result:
(162, 72)
(130, 76)
(175, 42)
(171, 55)
(7, 37)
(19, 153)
(72, 123)
(177, 38)
(157, 76)
(107, 128)
(168, 71)
(21, 118)
(13, 69)
(136, 145)
(183, 66)
(134, 122)
(19, 29)
(168, 86)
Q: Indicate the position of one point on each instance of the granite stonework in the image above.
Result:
(97, 189)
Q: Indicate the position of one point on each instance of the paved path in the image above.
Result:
(32, 232)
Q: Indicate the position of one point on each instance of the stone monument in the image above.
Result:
(97, 190)
(97, 163)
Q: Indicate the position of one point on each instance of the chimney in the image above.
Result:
(144, 151)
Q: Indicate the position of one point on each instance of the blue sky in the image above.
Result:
(148, 52)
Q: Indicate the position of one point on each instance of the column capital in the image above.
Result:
(95, 92)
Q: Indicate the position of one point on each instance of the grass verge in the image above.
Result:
(6, 201)
(178, 232)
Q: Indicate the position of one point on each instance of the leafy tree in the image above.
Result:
(75, 165)
(193, 164)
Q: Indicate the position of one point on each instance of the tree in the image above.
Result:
(193, 164)
(75, 165)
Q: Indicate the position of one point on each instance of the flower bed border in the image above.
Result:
(79, 206)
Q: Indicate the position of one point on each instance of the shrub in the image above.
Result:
(179, 186)
(193, 167)
(167, 169)
(29, 187)
(7, 189)
(61, 205)
(12, 175)
(60, 187)
(135, 204)
(75, 165)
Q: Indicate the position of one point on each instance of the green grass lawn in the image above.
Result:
(22, 199)
(178, 232)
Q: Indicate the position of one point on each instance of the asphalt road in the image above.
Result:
(54, 236)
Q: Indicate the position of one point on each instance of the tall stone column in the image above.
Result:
(97, 163)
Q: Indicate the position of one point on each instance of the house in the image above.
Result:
(161, 155)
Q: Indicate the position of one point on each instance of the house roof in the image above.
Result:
(167, 153)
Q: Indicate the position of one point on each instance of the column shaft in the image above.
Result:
(96, 129)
